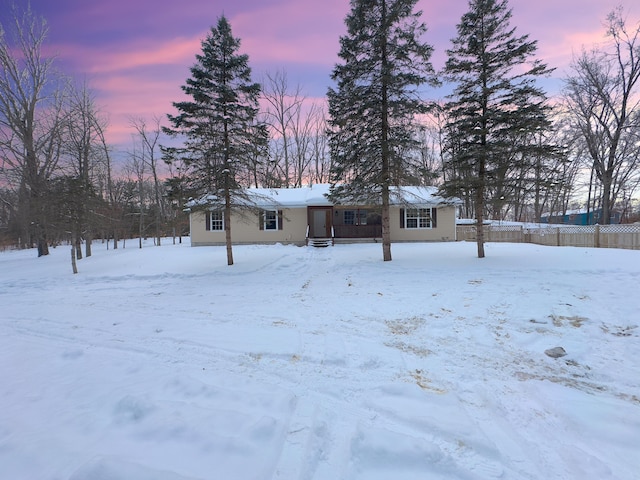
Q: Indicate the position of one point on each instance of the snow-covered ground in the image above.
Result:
(302, 363)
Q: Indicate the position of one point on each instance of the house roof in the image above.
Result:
(313, 195)
(316, 196)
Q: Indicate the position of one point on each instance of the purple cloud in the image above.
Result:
(136, 54)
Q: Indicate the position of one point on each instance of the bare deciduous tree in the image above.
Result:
(136, 171)
(82, 144)
(149, 151)
(30, 120)
(282, 115)
(603, 99)
(320, 158)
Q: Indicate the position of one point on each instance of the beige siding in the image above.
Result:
(247, 229)
(445, 227)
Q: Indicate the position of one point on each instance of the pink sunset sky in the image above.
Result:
(135, 54)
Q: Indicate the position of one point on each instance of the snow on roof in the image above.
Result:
(316, 195)
(420, 196)
(579, 211)
(312, 195)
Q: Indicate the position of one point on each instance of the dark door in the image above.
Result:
(320, 223)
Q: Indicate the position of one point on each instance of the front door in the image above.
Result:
(320, 223)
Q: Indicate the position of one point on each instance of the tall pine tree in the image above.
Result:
(372, 110)
(218, 126)
(495, 101)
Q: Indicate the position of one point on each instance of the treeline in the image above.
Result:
(497, 142)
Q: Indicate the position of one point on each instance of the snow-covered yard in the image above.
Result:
(302, 363)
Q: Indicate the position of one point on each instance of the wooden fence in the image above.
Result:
(599, 236)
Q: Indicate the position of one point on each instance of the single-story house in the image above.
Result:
(306, 216)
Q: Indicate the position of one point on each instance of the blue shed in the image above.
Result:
(577, 217)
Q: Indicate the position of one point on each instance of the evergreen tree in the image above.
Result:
(495, 106)
(218, 125)
(372, 110)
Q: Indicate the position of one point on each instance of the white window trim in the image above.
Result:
(220, 221)
(264, 220)
(418, 217)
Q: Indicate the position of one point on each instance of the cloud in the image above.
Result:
(292, 32)
(174, 52)
(142, 77)
(127, 97)
(141, 81)
(117, 58)
(136, 54)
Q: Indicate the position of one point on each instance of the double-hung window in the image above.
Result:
(215, 221)
(417, 218)
(271, 220)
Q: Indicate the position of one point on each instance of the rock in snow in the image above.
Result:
(556, 352)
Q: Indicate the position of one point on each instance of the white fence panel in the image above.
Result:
(604, 236)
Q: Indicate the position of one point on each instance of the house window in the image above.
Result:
(271, 220)
(215, 221)
(417, 218)
(349, 217)
(355, 217)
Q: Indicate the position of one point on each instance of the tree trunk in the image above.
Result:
(43, 247)
(140, 228)
(227, 196)
(227, 229)
(43, 244)
(74, 266)
(605, 219)
(479, 206)
(87, 246)
(78, 245)
(386, 173)
(38, 213)
(386, 225)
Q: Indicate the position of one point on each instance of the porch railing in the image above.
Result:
(358, 231)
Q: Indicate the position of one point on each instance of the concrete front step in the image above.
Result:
(320, 242)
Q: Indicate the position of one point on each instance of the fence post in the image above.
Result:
(557, 236)
(596, 237)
